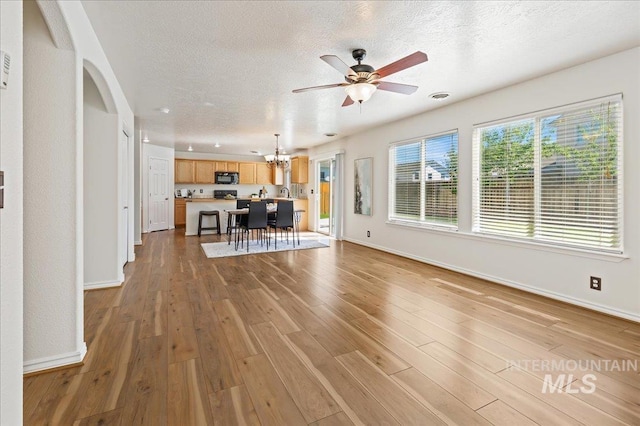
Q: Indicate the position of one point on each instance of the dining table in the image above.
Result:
(271, 209)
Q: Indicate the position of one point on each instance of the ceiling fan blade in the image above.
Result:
(326, 86)
(401, 64)
(405, 89)
(338, 64)
(347, 101)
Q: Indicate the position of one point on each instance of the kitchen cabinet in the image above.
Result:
(204, 171)
(180, 212)
(300, 169)
(263, 174)
(277, 176)
(221, 166)
(232, 166)
(184, 171)
(300, 204)
(247, 172)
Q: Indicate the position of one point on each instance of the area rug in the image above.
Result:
(223, 249)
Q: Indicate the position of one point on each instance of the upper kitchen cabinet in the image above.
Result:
(277, 176)
(226, 166)
(204, 171)
(232, 166)
(263, 174)
(247, 172)
(300, 169)
(184, 171)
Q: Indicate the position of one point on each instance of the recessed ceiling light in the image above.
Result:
(217, 145)
(330, 135)
(145, 140)
(164, 110)
(256, 152)
(190, 148)
(438, 96)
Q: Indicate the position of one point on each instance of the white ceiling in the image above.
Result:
(226, 69)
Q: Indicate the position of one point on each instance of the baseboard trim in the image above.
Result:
(102, 284)
(524, 287)
(137, 243)
(55, 362)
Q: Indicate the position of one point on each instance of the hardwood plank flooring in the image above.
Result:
(344, 335)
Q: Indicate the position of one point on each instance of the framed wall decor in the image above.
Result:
(363, 186)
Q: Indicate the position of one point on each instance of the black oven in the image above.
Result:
(227, 178)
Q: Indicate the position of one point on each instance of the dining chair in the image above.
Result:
(283, 221)
(234, 221)
(256, 220)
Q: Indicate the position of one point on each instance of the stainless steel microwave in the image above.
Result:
(227, 178)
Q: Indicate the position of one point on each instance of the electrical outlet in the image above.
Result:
(368, 233)
(595, 283)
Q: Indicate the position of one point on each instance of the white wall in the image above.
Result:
(558, 273)
(137, 184)
(100, 190)
(11, 222)
(149, 150)
(54, 212)
(52, 314)
(89, 49)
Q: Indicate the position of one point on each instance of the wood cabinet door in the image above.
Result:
(303, 169)
(295, 169)
(263, 174)
(221, 166)
(184, 171)
(232, 166)
(277, 176)
(180, 213)
(247, 172)
(300, 169)
(204, 171)
(302, 205)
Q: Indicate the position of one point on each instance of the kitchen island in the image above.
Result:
(196, 205)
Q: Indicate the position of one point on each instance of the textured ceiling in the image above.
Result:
(226, 69)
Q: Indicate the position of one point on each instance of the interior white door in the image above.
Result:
(158, 194)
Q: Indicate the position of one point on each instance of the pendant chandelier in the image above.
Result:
(277, 160)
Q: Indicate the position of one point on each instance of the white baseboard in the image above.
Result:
(632, 316)
(55, 361)
(137, 243)
(102, 284)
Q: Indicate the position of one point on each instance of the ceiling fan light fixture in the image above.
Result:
(360, 92)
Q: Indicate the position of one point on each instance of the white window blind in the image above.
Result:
(423, 181)
(553, 177)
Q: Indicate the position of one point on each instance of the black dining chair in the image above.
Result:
(235, 221)
(283, 221)
(256, 220)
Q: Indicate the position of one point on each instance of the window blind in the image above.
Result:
(553, 177)
(423, 180)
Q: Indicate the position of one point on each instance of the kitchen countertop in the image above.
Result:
(211, 200)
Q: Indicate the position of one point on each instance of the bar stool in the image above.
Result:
(215, 213)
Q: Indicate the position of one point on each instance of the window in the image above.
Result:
(423, 181)
(552, 177)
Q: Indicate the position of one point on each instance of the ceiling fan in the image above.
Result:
(362, 80)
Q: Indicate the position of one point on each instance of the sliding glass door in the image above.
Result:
(325, 179)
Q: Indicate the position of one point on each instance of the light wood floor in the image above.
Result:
(327, 336)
